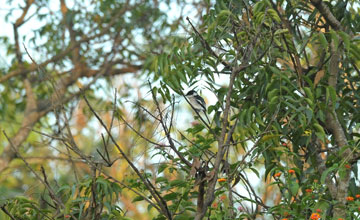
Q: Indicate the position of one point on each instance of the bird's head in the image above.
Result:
(191, 93)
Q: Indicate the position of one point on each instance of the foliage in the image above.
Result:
(283, 138)
(77, 201)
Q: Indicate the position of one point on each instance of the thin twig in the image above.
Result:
(166, 130)
(44, 182)
(143, 178)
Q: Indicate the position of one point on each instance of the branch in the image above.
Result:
(37, 109)
(21, 19)
(167, 131)
(64, 53)
(333, 124)
(7, 212)
(43, 181)
(161, 202)
(210, 196)
(222, 142)
(325, 11)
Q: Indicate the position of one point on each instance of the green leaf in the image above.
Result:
(326, 173)
(274, 15)
(281, 31)
(327, 95)
(162, 167)
(161, 63)
(320, 133)
(294, 187)
(323, 41)
(171, 196)
(274, 101)
(223, 17)
(255, 171)
(345, 37)
(274, 70)
(273, 93)
(355, 51)
(161, 179)
(308, 93)
(181, 183)
(182, 76)
(149, 207)
(138, 198)
(323, 205)
(311, 104)
(196, 129)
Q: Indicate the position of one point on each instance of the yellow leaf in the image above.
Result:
(307, 133)
(318, 77)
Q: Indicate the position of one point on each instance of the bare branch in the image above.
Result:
(167, 131)
(161, 202)
(43, 181)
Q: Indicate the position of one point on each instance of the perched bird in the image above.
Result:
(197, 102)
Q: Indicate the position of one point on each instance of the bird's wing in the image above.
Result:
(201, 102)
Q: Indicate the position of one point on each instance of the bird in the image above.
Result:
(197, 102)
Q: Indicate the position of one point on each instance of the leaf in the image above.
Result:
(125, 218)
(138, 198)
(326, 173)
(274, 100)
(320, 131)
(274, 70)
(294, 188)
(149, 207)
(311, 103)
(183, 217)
(255, 171)
(319, 75)
(161, 63)
(309, 93)
(250, 113)
(171, 196)
(178, 183)
(327, 96)
(223, 17)
(355, 51)
(274, 15)
(162, 167)
(323, 205)
(281, 31)
(182, 76)
(346, 40)
(323, 41)
(161, 179)
(269, 137)
(273, 93)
